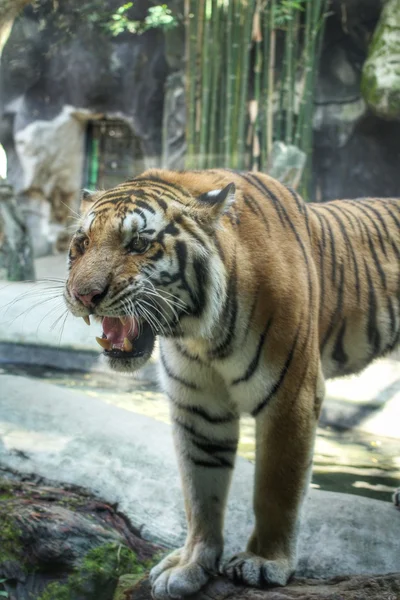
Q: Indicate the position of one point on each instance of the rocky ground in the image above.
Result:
(61, 543)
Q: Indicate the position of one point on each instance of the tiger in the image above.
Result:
(256, 298)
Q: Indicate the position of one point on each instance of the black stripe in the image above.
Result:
(255, 208)
(321, 248)
(255, 181)
(395, 250)
(161, 203)
(252, 312)
(392, 317)
(338, 309)
(333, 247)
(374, 337)
(181, 254)
(222, 463)
(188, 227)
(200, 412)
(302, 207)
(212, 447)
(349, 216)
(393, 216)
(279, 382)
(378, 215)
(256, 359)
(339, 354)
(174, 376)
(200, 267)
(186, 354)
(219, 249)
(376, 260)
(229, 313)
(145, 205)
(229, 445)
(363, 209)
(153, 180)
(348, 245)
(157, 256)
(284, 217)
(139, 212)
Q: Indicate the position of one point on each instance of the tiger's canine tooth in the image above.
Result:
(127, 345)
(86, 318)
(104, 343)
(123, 320)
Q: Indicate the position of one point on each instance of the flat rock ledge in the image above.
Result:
(364, 587)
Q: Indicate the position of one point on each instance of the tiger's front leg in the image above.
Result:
(285, 432)
(205, 435)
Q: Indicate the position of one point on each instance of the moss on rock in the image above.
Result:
(380, 83)
(98, 574)
(11, 548)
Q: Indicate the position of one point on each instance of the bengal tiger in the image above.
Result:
(257, 297)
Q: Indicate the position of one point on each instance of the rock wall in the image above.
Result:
(381, 73)
(16, 257)
(356, 150)
(60, 68)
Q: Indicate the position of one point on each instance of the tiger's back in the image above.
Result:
(347, 251)
(357, 252)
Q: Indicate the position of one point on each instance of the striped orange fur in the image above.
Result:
(257, 298)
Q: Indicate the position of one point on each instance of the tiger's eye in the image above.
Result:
(138, 245)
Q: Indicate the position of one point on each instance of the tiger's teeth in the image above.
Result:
(127, 345)
(104, 343)
(123, 320)
(86, 318)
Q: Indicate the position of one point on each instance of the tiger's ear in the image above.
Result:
(217, 202)
(87, 199)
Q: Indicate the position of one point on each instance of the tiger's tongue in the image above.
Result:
(115, 331)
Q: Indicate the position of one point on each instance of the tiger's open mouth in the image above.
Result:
(126, 338)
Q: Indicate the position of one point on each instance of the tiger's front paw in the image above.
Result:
(183, 573)
(249, 569)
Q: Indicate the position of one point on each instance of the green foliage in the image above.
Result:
(284, 11)
(67, 18)
(99, 571)
(159, 16)
(250, 71)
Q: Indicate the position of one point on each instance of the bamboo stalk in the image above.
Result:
(238, 62)
(230, 76)
(257, 38)
(271, 74)
(200, 7)
(205, 86)
(248, 7)
(264, 94)
(307, 58)
(215, 61)
(317, 20)
(222, 94)
(289, 76)
(190, 106)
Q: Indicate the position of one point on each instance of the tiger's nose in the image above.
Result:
(91, 298)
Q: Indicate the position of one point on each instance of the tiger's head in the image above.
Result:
(144, 262)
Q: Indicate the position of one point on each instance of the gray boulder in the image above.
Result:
(381, 72)
(16, 257)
